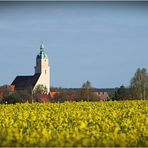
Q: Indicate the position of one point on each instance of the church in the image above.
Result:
(40, 77)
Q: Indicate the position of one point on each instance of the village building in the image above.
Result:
(102, 96)
(40, 77)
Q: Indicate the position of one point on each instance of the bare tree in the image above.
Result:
(139, 84)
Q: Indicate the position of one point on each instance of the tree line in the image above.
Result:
(137, 90)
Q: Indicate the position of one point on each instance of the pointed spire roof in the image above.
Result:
(42, 46)
(42, 54)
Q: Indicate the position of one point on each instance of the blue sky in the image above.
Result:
(103, 42)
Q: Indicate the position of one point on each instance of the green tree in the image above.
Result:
(87, 85)
(40, 89)
(139, 85)
(87, 93)
(12, 98)
(121, 93)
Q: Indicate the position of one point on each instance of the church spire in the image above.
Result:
(42, 46)
(42, 68)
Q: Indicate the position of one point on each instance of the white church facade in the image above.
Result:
(40, 77)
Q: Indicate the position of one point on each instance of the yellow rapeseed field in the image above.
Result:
(122, 123)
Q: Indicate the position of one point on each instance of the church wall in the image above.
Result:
(44, 79)
(44, 69)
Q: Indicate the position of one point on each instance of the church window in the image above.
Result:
(45, 71)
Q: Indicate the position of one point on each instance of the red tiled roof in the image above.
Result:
(52, 94)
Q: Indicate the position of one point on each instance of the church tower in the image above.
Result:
(42, 67)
